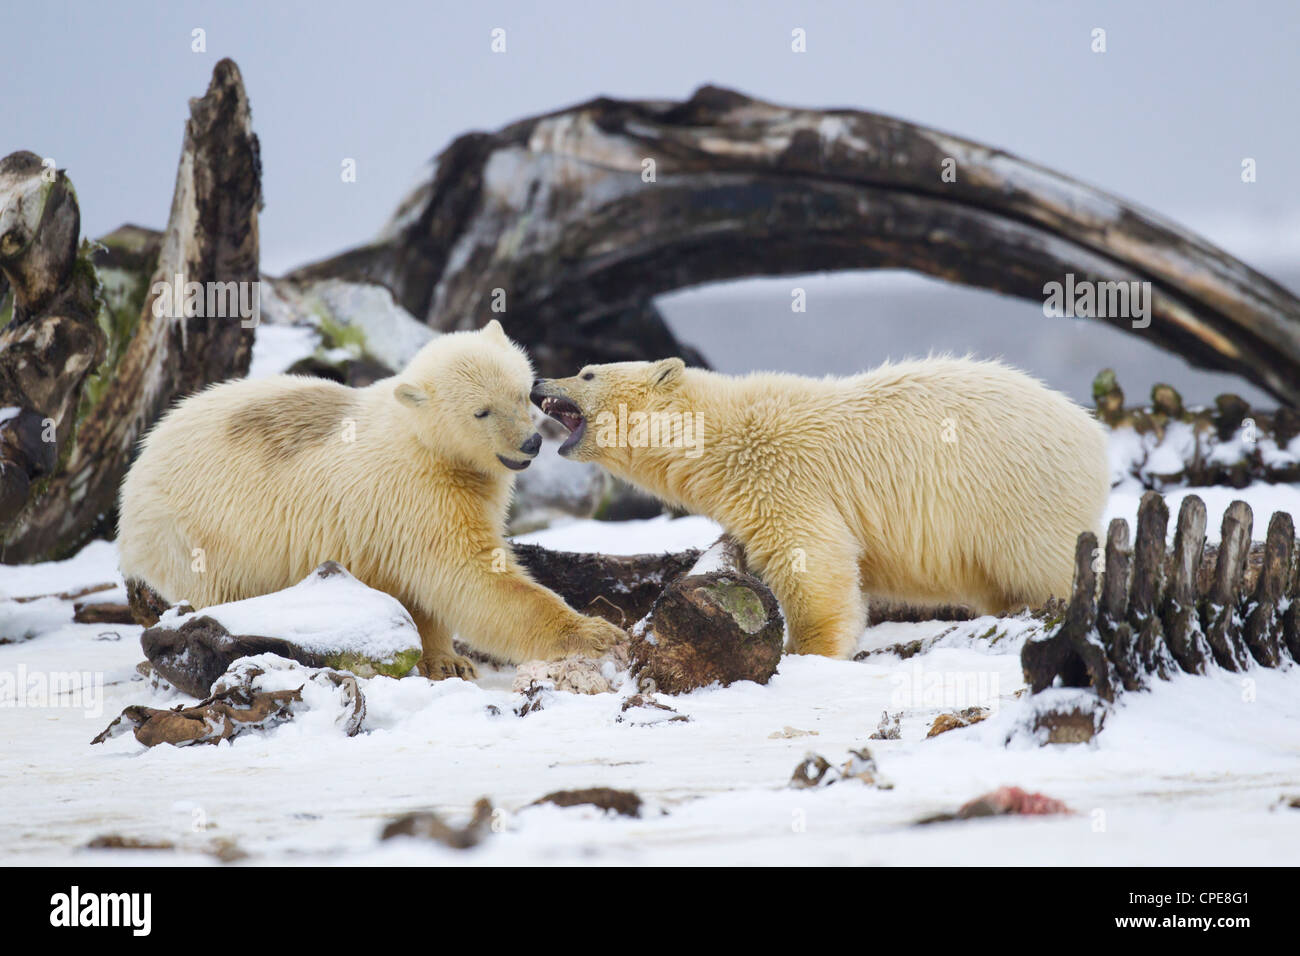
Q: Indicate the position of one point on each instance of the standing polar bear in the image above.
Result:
(936, 481)
(246, 487)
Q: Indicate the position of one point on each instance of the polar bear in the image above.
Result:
(935, 481)
(245, 487)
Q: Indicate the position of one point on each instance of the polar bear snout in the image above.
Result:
(530, 447)
(555, 403)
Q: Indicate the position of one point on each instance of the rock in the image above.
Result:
(715, 624)
(427, 825)
(255, 694)
(329, 619)
(623, 802)
(963, 718)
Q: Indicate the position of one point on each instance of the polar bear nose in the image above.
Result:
(533, 444)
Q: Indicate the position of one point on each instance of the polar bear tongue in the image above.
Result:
(575, 436)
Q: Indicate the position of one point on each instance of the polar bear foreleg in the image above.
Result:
(439, 659)
(816, 583)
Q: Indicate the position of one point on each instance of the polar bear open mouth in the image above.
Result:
(568, 415)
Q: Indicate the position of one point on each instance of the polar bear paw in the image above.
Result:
(441, 666)
(590, 637)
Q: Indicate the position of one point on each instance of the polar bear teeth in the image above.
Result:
(563, 411)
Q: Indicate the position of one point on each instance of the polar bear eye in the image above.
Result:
(483, 413)
(588, 376)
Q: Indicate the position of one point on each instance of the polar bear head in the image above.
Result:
(623, 412)
(465, 395)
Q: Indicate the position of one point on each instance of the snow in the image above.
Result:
(1189, 772)
(334, 614)
(276, 347)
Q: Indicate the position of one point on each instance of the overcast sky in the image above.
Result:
(1184, 92)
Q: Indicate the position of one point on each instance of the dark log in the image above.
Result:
(1263, 630)
(111, 391)
(1112, 610)
(1147, 593)
(619, 588)
(1181, 619)
(1291, 617)
(1220, 608)
(560, 212)
(1074, 652)
(714, 624)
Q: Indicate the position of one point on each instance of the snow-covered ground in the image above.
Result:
(1191, 772)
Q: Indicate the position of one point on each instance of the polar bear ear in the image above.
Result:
(667, 374)
(410, 396)
(494, 330)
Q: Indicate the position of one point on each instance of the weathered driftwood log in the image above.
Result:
(1149, 585)
(1074, 651)
(1291, 617)
(1224, 621)
(104, 377)
(714, 624)
(579, 218)
(52, 340)
(1263, 628)
(1112, 610)
(1219, 611)
(1180, 614)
